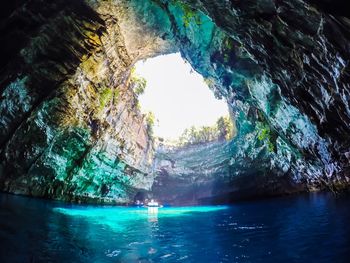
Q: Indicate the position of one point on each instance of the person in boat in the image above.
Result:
(153, 206)
(153, 203)
(138, 203)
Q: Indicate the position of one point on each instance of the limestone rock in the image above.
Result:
(70, 129)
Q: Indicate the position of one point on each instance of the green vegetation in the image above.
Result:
(106, 95)
(228, 43)
(150, 121)
(189, 14)
(137, 83)
(265, 135)
(223, 130)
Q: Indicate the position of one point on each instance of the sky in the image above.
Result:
(177, 95)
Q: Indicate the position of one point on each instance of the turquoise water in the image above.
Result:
(308, 228)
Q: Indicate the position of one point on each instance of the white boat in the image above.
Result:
(153, 206)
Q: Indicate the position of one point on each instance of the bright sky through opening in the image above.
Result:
(177, 95)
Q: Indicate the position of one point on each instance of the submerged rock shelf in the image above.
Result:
(70, 128)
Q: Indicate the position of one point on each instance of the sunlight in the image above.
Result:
(117, 217)
(177, 95)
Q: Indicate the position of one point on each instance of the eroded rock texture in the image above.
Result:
(70, 129)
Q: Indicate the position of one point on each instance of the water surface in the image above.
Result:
(307, 228)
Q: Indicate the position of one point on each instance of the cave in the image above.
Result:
(71, 130)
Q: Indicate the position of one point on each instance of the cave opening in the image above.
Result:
(72, 128)
(177, 100)
(184, 118)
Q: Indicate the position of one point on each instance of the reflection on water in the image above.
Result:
(310, 228)
(118, 218)
(152, 217)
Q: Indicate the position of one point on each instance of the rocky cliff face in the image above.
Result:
(299, 95)
(188, 175)
(70, 129)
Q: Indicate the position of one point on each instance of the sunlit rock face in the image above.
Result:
(70, 129)
(300, 96)
(70, 126)
(189, 174)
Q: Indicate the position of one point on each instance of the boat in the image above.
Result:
(153, 206)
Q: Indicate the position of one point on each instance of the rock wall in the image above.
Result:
(298, 97)
(283, 67)
(190, 174)
(70, 129)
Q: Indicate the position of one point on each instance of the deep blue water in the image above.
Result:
(306, 228)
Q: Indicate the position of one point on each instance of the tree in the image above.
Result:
(225, 128)
(206, 134)
(137, 83)
(150, 121)
(193, 135)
